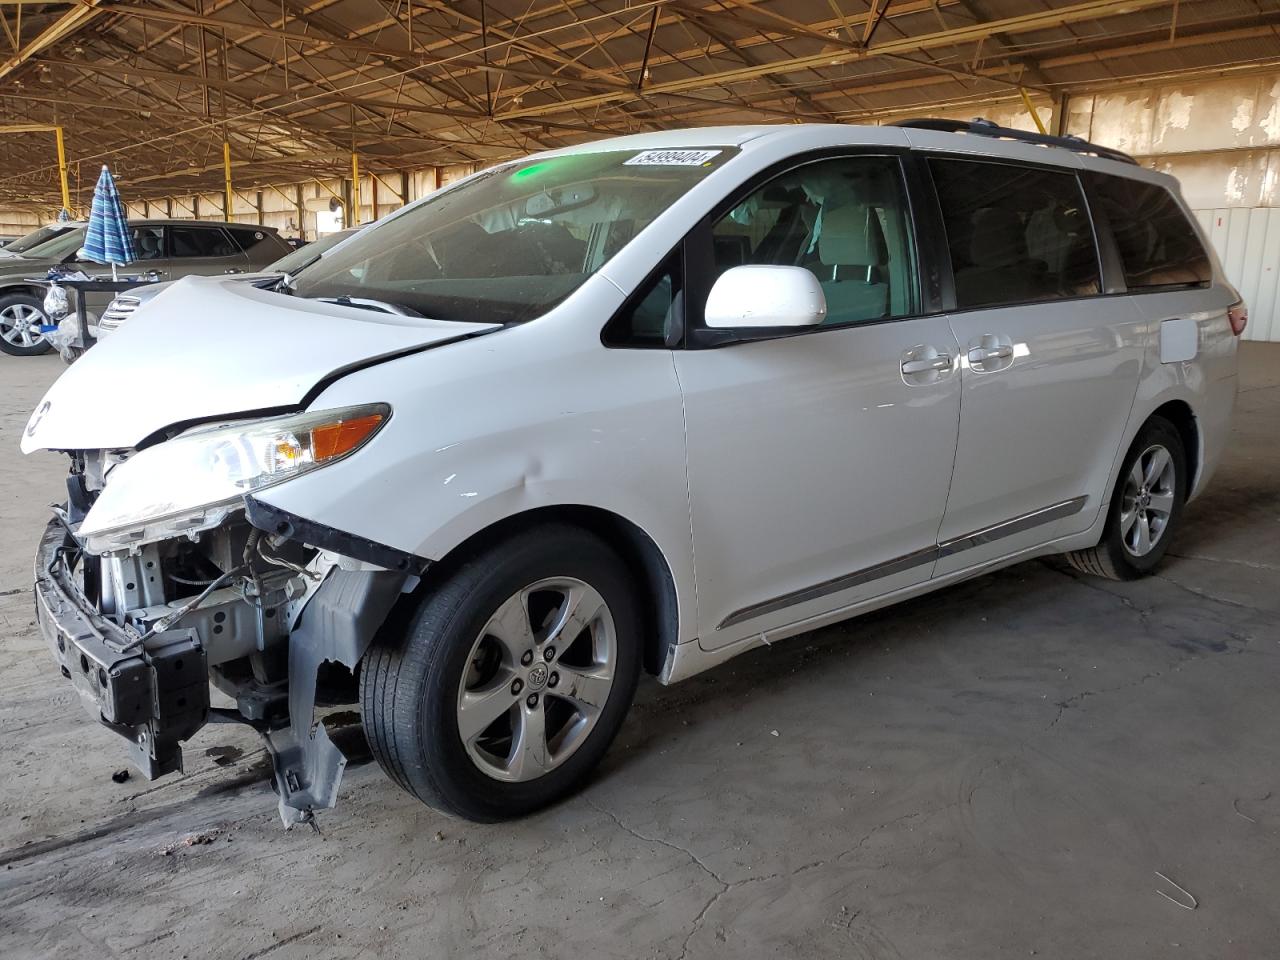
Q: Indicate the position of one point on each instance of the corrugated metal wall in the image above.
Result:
(1248, 243)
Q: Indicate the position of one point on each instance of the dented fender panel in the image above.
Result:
(480, 434)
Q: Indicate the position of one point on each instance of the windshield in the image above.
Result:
(303, 255)
(36, 237)
(514, 241)
(59, 247)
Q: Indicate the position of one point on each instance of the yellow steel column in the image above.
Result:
(353, 215)
(62, 170)
(1032, 110)
(226, 172)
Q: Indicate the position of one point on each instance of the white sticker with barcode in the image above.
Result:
(671, 158)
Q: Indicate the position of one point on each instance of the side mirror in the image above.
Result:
(765, 296)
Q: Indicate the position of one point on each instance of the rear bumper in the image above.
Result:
(153, 693)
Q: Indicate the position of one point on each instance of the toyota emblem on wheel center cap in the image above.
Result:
(538, 676)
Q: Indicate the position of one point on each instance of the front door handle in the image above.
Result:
(931, 365)
(981, 355)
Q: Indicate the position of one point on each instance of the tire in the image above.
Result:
(14, 309)
(427, 684)
(1122, 554)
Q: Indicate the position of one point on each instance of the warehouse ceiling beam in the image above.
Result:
(943, 38)
(66, 25)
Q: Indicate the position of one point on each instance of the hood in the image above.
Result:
(17, 267)
(208, 347)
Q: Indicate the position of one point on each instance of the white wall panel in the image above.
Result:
(1248, 244)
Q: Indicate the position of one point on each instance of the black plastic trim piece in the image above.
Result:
(293, 527)
(834, 585)
(910, 561)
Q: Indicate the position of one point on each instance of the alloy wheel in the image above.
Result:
(16, 321)
(1148, 500)
(537, 678)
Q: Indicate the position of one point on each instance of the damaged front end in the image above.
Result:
(236, 594)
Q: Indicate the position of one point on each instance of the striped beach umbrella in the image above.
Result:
(108, 239)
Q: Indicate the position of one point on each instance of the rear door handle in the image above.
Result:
(983, 354)
(926, 366)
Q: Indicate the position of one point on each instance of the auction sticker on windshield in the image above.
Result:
(671, 158)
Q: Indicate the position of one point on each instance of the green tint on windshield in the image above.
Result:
(512, 242)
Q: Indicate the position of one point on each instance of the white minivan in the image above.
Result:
(636, 405)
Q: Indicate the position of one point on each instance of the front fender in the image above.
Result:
(483, 432)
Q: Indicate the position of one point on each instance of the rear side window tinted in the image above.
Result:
(1016, 234)
(200, 242)
(1158, 245)
(247, 238)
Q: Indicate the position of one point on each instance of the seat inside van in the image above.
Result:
(852, 257)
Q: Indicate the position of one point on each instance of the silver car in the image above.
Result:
(126, 304)
(166, 249)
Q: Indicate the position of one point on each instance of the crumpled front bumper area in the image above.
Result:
(152, 687)
(154, 693)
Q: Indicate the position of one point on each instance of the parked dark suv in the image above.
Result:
(166, 250)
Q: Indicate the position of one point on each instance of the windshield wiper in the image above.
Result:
(382, 306)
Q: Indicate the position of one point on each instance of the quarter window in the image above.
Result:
(246, 238)
(647, 320)
(200, 242)
(846, 220)
(1016, 234)
(1158, 245)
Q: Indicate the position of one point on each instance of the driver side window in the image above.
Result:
(846, 220)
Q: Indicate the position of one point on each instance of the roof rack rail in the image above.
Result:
(985, 128)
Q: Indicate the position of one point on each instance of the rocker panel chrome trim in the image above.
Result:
(997, 531)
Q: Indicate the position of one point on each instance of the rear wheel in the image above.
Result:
(1145, 507)
(511, 679)
(19, 314)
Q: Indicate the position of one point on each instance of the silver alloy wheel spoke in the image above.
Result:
(530, 757)
(1135, 478)
(478, 709)
(1128, 518)
(1156, 465)
(550, 706)
(1148, 499)
(587, 690)
(1142, 540)
(581, 605)
(510, 626)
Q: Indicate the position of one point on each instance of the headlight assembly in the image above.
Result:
(193, 481)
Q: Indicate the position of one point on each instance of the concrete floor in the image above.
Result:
(996, 770)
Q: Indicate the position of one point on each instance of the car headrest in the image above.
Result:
(851, 236)
(997, 239)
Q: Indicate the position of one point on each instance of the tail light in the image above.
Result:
(1238, 317)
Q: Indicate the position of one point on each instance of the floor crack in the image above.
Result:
(1064, 705)
(1206, 596)
(725, 885)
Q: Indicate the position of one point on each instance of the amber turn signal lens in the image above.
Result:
(331, 440)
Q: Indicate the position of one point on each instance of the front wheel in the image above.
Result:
(1145, 507)
(20, 315)
(511, 679)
